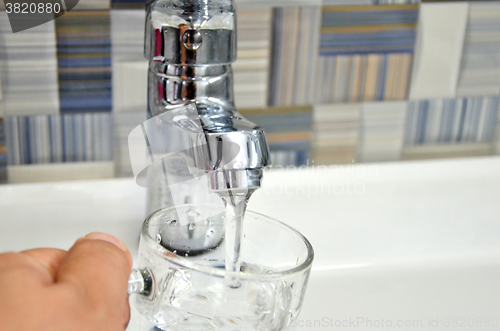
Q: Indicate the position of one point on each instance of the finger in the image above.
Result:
(98, 267)
(47, 259)
(36, 262)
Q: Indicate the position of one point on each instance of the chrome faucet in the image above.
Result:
(190, 45)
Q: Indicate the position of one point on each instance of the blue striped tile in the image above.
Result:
(84, 62)
(451, 121)
(83, 137)
(289, 131)
(368, 29)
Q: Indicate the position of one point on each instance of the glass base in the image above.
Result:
(138, 322)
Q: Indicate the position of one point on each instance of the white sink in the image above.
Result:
(412, 245)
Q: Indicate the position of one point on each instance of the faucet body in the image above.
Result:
(190, 46)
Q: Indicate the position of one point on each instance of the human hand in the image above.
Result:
(82, 289)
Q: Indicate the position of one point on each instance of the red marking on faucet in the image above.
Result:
(160, 91)
(158, 42)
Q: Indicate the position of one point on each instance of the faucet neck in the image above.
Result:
(190, 45)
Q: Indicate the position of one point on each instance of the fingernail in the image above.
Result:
(107, 238)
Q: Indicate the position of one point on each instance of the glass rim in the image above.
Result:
(218, 272)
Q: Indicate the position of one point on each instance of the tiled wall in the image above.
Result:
(332, 81)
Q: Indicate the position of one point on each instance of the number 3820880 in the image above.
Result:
(32, 8)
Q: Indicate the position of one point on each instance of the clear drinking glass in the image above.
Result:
(181, 282)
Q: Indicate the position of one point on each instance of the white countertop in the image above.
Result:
(421, 220)
(351, 214)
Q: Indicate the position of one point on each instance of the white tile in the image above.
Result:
(124, 123)
(438, 50)
(335, 133)
(251, 67)
(127, 34)
(480, 69)
(29, 70)
(59, 172)
(130, 86)
(382, 131)
(336, 124)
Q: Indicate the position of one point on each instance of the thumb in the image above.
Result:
(98, 267)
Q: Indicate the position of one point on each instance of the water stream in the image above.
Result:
(236, 205)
